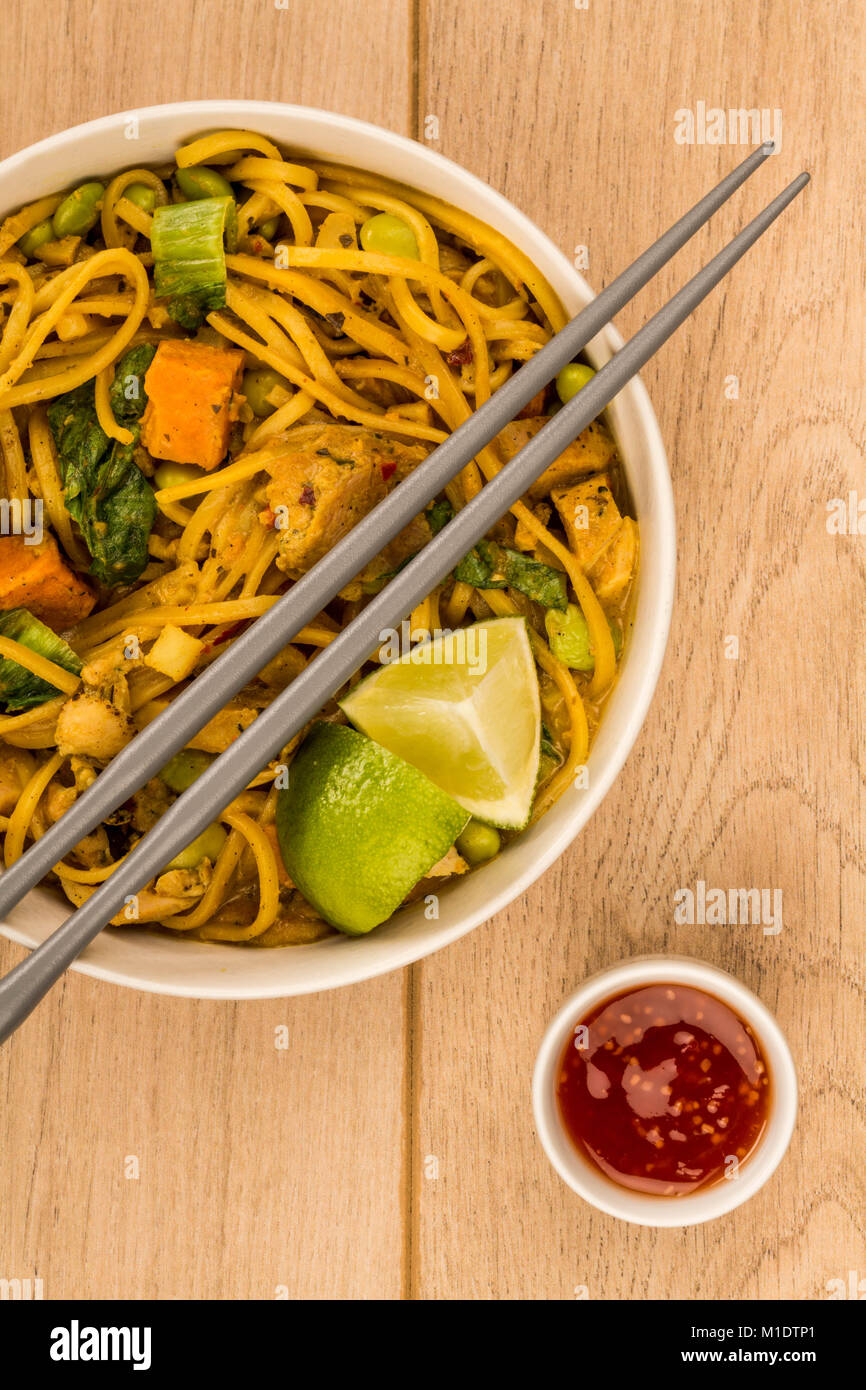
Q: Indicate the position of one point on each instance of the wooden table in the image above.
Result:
(389, 1152)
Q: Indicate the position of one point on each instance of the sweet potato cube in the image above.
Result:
(192, 400)
(36, 577)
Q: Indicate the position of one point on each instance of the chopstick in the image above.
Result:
(295, 706)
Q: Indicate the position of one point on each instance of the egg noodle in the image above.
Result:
(406, 347)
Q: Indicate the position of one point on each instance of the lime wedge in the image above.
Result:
(358, 827)
(464, 709)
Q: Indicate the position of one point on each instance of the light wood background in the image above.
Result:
(390, 1152)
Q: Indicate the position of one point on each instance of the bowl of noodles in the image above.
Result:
(214, 358)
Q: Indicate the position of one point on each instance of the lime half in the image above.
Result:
(464, 709)
(358, 827)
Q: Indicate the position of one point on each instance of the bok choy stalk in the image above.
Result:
(19, 688)
(189, 264)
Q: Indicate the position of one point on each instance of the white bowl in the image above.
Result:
(582, 1175)
(165, 964)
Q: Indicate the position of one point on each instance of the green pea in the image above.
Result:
(389, 236)
(201, 182)
(207, 845)
(142, 195)
(270, 228)
(478, 842)
(185, 768)
(31, 241)
(257, 387)
(173, 474)
(79, 211)
(572, 379)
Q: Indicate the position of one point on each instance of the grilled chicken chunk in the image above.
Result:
(324, 480)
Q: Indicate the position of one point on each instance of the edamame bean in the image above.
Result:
(270, 228)
(388, 235)
(207, 845)
(79, 211)
(184, 768)
(172, 474)
(258, 385)
(478, 842)
(572, 379)
(31, 241)
(142, 195)
(201, 182)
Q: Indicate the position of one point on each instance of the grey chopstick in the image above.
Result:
(208, 693)
(294, 707)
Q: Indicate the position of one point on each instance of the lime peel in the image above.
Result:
(475, 732)
(358, 827)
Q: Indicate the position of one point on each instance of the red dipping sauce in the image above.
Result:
(662, 1087)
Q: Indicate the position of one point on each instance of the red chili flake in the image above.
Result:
(227, 635)
(307, 497)
(259, 245)
(387, 470)
(461, 356)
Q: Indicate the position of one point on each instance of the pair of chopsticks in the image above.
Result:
(230, 773)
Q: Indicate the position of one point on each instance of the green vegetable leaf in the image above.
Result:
(127, 396)
(19, 688)
(104, 489)
(568, 635)
(492, 566)
(189, 263)
(438, 514)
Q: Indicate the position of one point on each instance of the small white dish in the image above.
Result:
(580, 1172)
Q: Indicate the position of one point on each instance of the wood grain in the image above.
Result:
(390, 1151)
(748, 770)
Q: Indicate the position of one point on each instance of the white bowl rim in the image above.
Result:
(588, 1181)
(387, 954)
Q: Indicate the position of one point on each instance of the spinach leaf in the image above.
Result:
(127, 395)
(492, 566)
(104, 489)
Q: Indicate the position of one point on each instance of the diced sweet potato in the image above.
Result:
(192, 400)
(36, 577)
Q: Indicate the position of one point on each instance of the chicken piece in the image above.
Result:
(193, 399)
(405, 544)
(92, 726)
(590, 452)
(525, 539)
(590, 516)
(323, 481)
(283, 668)
(13, 776)
(613, 571)
(148, 906)
(185, 883)
(36, 577)
(450, 863)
